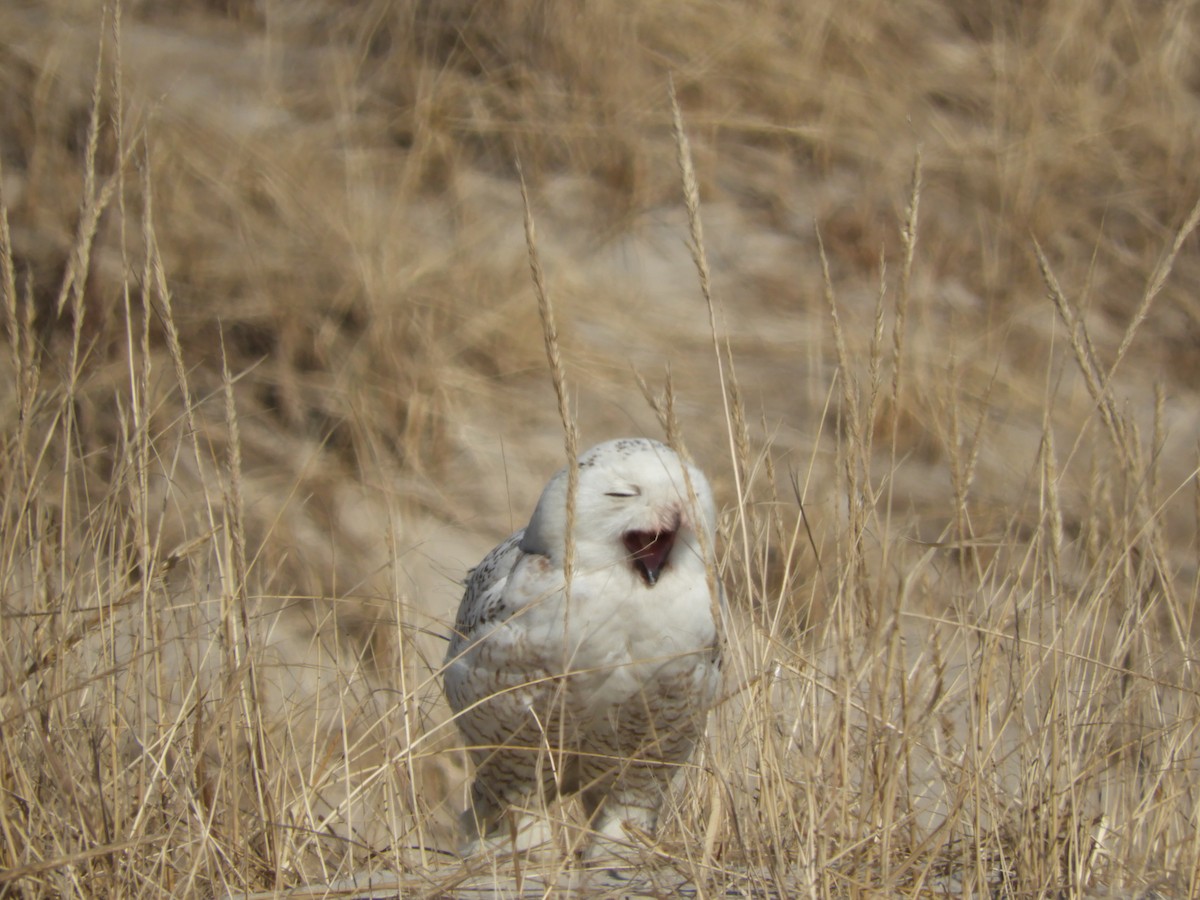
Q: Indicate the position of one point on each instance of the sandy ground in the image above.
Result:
(277, 205)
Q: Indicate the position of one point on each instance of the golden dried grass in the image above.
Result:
(275, 379)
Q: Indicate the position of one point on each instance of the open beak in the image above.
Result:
(649, 552)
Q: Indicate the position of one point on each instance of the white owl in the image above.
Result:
(605, 697)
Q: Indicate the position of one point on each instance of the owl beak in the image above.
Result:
(649, 552)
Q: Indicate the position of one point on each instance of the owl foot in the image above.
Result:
(514, 832)
(620, 834)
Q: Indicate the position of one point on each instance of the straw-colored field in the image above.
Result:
(273, 377)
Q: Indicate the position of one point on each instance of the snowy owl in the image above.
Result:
(604, 694)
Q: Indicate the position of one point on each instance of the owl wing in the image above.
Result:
(483, 600)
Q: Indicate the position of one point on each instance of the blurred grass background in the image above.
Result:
(275, 379)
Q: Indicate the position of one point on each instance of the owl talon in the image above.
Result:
(513, 833)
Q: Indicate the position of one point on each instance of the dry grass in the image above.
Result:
(275, 377)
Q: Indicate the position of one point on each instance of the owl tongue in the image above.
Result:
(649, 551)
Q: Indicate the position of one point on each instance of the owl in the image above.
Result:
(600, 688)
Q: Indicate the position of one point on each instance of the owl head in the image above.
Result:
(633, 508)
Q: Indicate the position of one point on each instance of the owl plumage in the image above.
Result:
(606, 696)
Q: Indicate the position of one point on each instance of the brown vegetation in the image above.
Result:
(274, 378)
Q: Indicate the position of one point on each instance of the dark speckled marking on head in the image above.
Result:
(625, 445)
(622, 446)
